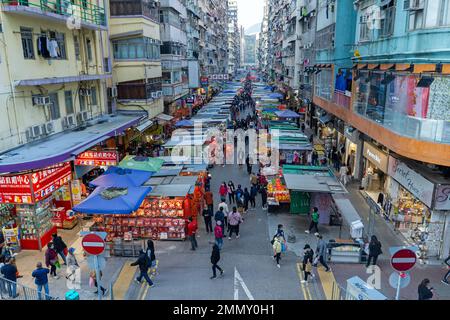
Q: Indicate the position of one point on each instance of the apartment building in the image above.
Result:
(55, 67)
(250, 50)
(193, 38)
(263, 47)
(234, 38)
(135, 40)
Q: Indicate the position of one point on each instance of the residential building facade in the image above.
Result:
(234, 45)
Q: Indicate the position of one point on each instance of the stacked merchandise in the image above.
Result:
(35, 221)
(277, 191)
(8, 227)
(6, 214)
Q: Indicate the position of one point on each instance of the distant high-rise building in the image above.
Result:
(250, 50)
(234, 38)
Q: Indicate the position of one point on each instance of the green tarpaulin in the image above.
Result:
(141, 163)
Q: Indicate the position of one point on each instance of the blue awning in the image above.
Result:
(326, 118)
(121, 178)
(98, 203)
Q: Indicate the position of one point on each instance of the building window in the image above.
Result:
(76, 43)
(68, 101)
(94, 96)
(27, 42)
(429, 14)
(61, 40)
(82, 103)
(387, 19)
(54, 106)
(89, 49)
(137, 48)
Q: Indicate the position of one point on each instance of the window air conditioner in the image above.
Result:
(154, 95)
(41, 100)
(49, 127)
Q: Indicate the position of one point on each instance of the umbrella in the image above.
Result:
(184, 123)
(122, 178)
(111, 200)
(287, 114)
(141, 163)
(276, 96)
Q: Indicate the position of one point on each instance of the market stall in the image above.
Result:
(141, 163)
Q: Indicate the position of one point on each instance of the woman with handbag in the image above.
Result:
(308, 256)
(51, 260)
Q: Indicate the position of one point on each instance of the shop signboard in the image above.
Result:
(376, 156)
(412, 181)
(357, 289)
(97, 158)
(442, 198)
(76, 191)
(204, 81)
(20, 188)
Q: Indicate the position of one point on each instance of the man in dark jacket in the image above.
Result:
(41, 280)
(59, 246)
(9, 272)
(143, 262)
(207, 216)
(215, 258)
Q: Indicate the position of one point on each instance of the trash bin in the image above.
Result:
(72, 295)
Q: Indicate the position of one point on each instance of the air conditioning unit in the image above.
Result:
(312, 14)
(154, 95)
(82, 116)
(41, 100)
(85, 92)
(49, 127)
(33, 132)
(412, 5)
(69, 121)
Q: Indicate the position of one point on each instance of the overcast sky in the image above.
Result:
(250, 12)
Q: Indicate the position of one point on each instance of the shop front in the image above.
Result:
(417, 207)
(375, 172)
(42, 201)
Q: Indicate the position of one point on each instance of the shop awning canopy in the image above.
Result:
(311, 183)
(164, 117)
(184, 123)
(171, 190)
(106, 200)
(326, 118)
(141, 163)
(64, 146)
(346, 208)
(291, 146)
(146, 124)
(121, 178)
(276, 96)
(168, 172)
(287, 114)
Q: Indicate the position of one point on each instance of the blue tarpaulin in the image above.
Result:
(287, 114)
(99, 203)
(184, 123)
(276, 96)
(121, 178)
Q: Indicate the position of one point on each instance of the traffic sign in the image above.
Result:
(403, 260)
(404, 278)
(93, 244)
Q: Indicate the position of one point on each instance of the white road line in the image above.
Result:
(404, 260)
(238, 281)
(93, 244)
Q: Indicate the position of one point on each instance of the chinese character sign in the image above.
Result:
(97, 158)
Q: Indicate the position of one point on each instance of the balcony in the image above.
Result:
(173, 90)
(126, 8)
(171, 33)
(342, 98)
(137, 90)
(175, 4)
(88, 15)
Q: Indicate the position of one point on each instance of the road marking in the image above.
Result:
(238, 281)
(327, 280)
(122, 283)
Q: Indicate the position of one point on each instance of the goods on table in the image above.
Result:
(278, 191)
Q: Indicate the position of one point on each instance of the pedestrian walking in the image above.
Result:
(277, 249)
(322, 252)
(314, 221)
(234, 220)
(51, 260)
(308, 259)
(225, 213)
(209, 200)
(263, 192)
(374, 251)
(191, 233)
(144, 264)
(249, 166)
(223, 191)
(41, 280)
(218, 234)
(72, 265)
(239, 196)
(246, 199)
(447, 275)
(207, 214)
(220, 216)
(253, 194)
(424, 291)
(280, 232)
(254, 179)
(151, 253)
(9, 272)
(343, 174)
(315, 158)
(215, 258)
(60, 247)
(231, 192)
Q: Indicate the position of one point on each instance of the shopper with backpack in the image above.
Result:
(143, 262)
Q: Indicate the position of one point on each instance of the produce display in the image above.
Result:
(278, 191)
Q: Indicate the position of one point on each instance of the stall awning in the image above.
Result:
(146, 124)
(112, 201)
(141, 163)
(171, 190)
(168, 172)
(121, 178)
(164, 117)
(63, 146)
(311, 183)
(287, 114)
(326, 118)
(346, 208)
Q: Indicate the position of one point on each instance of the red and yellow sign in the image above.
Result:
(33, 187)
(97, 158)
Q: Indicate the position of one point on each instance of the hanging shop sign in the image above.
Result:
(204, 81)
(412, 181)
(376, 156)
(97, 158)
(33, 187)
(442, 198)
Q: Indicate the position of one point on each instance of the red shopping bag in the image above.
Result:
(66, 251)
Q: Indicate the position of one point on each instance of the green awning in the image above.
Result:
(141, 163)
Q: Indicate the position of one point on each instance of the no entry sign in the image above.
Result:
(93, 244)
(403, 260)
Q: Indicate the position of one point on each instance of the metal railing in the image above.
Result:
(86, 12)
(10, 290)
